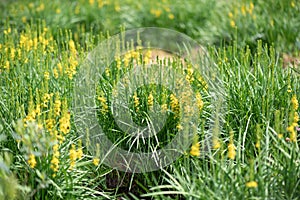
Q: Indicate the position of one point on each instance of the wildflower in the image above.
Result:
(171, 16)
(230, 15)
(31, 161)
(117, 7)
(251, 7)
(73, 156)
(57, 105)
(55, 73)
(231, 147)
(243, 9)
(216, 143)
(79, 150)
(96, 161)
(292, 4)
(164, 107)
(24, 19)
(50, 124)
(156, 12)
(136, 101)
(103, 103)
(251, 184)
(6, 32)
(72, 47)
(64, 123)
(46, 75)
(7, 65)
(60, 68)
(294, 102)
(55, 158)
(199, 101)
(57, 11)
(174, 103)
(46, 99)
(195, 149)
(91, 2)
(232, 23)
(150, 101)
(41, 7)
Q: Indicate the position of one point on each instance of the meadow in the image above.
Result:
(254, 148)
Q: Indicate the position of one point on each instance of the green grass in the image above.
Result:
(43, 155)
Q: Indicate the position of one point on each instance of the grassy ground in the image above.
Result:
(254, 45)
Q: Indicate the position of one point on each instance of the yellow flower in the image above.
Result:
(91, 2)
(232, 23)
(96, 161)
(195, 149)
(31, 161)
(55, 163)
(156, 12)
(251, 184)
(50, 124)
(231, 151)
(117, 8)
(57, 10)
(199, 101)
(104, 106)
(46, 75)
(294, 102)
(292, 4)
(216, 143)
(243, 9)
(57, 105)
(73, 156)
(55, 73)
(24, 19)
(6, 66)
(64, 123)
(174, 103)
(171, 16)
(230, 15)
(136, 101)
(150, 101)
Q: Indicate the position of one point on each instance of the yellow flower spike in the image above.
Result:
(232, 23)
(231, 147)
(136, 101)
(55, 73)
(24, 19)
(195, 149)
(73, 156)
(171, 16)
(251, 184)
(79, 150)
(72, 47)
(199, 101)
(57, 105)
(96, 161)
(294, 102)
(150, 101)
(31, 161)
(6, 65)
(216, 143)
(47, 75)
(103, 103)
(243, 10)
